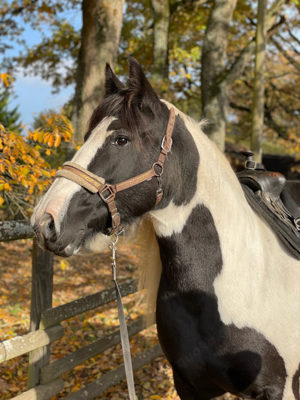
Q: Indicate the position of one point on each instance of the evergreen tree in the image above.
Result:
(9, 118)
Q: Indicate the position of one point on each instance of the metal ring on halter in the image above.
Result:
(110, 241)
(160, 166)
(116, 235)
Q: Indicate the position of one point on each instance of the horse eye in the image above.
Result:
(121, 142)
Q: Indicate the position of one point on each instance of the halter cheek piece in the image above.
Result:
(96, 184)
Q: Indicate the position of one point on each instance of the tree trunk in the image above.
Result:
(214, 96)
(160, 66)
(102, 21)
(259, 89)
(215, 80)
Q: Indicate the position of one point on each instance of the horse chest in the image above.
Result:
(191, 318)
(203, 349)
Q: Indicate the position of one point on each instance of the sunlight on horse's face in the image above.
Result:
(69, 219)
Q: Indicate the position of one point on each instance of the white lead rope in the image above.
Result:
(123, 327)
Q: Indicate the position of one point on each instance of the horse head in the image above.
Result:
(123, 140)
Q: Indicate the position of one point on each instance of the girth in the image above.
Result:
(107, 192)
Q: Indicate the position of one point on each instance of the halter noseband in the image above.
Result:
(96, 184)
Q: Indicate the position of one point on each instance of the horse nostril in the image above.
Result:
(47, 226)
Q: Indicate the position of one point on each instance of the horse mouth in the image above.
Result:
(71, 249)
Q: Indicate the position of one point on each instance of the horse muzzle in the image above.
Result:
(65, 244)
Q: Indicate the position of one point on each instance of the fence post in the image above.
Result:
(41, 299)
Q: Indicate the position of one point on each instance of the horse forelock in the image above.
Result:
(122, 105)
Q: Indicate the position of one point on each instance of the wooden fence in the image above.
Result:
(44, 378)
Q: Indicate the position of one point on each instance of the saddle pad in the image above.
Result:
(289, 238)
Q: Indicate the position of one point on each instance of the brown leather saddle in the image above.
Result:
(276, 199)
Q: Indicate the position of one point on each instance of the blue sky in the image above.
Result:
(33, 94)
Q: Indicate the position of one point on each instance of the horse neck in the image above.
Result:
(218, 204)
(217, 188)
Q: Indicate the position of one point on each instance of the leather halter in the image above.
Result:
(96, 184)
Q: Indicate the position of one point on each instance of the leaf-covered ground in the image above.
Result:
(75, 278)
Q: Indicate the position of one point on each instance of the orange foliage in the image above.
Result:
(24, 174)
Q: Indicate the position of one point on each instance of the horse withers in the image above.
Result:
(228, 302)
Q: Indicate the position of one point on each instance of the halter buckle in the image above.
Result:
(250, 164)
(112, 217)
(110, 196)
(163, 143)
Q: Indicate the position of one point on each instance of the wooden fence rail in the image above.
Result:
(61, 313)
(44, 378)
(20, 345)
(14, 230)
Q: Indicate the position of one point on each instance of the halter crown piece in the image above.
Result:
(96, 184)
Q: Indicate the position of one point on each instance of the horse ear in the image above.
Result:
(139, 88)
(112, 83)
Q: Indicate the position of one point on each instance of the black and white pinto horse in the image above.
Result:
(228, 303)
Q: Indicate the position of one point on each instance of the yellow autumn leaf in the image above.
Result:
(24, 182)
(78, 367)
(48, 152)
(65, 119)
(46, 137)
(50, 121)
(31, 187)
(41, 136)
(46, 173)
(63, 264)
(1, 201)
(36, 135)
(50, 141)
(5, 79)
(57, 140)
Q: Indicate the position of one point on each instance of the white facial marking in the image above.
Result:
(258, 286)
(60, 194)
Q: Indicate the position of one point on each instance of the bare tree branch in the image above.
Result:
(290, 44)
(293, 36)
(274, 28)
(268, 120)
(239, 107)
(295, 63)
(186, 3)
(293, 95)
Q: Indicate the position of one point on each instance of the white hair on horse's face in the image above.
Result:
(62, 190)
(259, 290)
